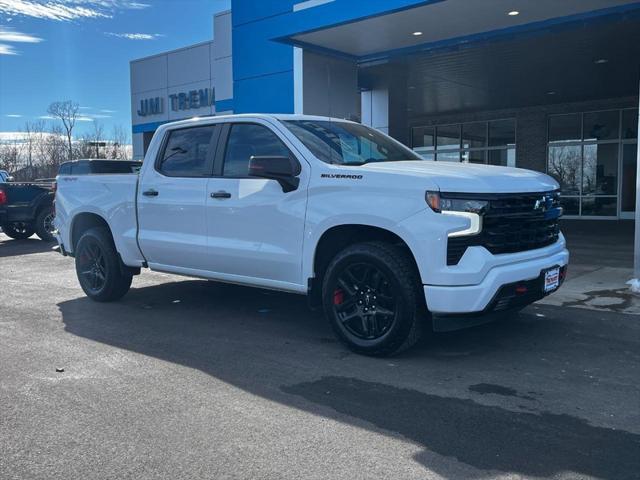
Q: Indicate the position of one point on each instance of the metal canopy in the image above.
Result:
(450, 21)
(575, 64)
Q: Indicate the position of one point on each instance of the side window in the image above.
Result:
(247, 140)
(187, 152)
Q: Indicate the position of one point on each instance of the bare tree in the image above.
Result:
(120, 142)
(28, 146)
(55, 151)
(98, 136)
(9, 157)
(33, 140)
(67, 112)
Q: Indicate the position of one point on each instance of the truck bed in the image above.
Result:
(110, 196)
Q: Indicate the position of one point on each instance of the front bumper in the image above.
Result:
(467, 299)
(508, 298)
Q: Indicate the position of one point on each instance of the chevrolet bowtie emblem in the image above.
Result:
(541, 204)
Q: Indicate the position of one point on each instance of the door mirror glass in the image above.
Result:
(282, 169)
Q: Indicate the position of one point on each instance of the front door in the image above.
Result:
(255, 229)
(171, 200)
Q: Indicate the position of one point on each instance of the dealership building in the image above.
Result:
(547, 85)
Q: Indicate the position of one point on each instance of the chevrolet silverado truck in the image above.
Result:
(391, 246)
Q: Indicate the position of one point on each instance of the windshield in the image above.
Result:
(345, 143)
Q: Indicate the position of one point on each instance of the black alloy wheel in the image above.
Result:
(373, 299)
(364, 301)
(92, 267)
(100, 271)
(45, 224)
(18, 230)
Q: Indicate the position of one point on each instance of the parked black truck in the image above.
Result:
(27, 208)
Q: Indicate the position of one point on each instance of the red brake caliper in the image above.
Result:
(338, 296)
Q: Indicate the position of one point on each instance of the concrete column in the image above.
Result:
(298, 81)
(324, 85)
(636, 265)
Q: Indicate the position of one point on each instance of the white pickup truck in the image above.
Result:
(389, 245)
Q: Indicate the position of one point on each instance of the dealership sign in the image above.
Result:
(193, 99)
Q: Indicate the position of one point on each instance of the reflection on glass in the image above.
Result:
(449, 136)
(425, 152)
(601, 125)
(630, 123)
(477, 156)
(498, 157)
(474, 135)
(629, 168)
(570, 205)
(511, 157)
(423, 136)
(600, 169)
(600, 206)
(448, 156)
(565, 128)
(502, 132)
(564, 165)
(505, 158)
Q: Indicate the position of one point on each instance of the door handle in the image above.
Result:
(220, 194)
(150, 193)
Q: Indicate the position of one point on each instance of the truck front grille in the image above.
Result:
(512, 223)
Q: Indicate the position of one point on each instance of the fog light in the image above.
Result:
(521, 289)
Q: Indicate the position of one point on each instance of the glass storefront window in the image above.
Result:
(630, 123)
(600, 169)
(474, 135)
(502, 132)
(503, 157)
(570, 205)
(601, 125)
(448, 156)
(490, 142)
(565, 165)
(448, 136)
(426, 152)
(600, 206)
(565, 128)
(474, 156)
(423, 137)
(593, 156)
(629, 170)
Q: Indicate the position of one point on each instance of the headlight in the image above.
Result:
(470, 209)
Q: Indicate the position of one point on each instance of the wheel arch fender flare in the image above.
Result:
(386, 228)
(84, 220)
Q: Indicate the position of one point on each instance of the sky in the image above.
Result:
(80, 50)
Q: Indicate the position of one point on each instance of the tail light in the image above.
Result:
(3, 197)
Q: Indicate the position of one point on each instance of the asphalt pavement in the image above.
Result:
(189, 379)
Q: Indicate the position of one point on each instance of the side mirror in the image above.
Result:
(10, 178)
(283, 169)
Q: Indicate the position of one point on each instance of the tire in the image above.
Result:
(98, 267)
(44, 224)
(18, 230)
(374, 277)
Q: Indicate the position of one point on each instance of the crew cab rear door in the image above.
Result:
(171, 199)
(255, 229)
